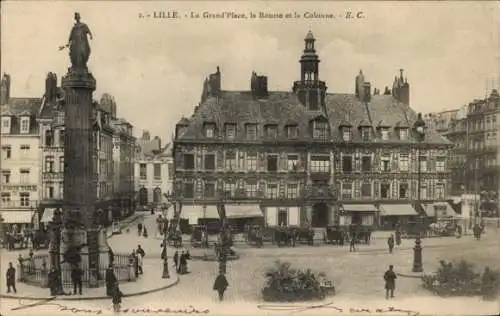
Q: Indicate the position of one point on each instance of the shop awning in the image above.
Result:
(243, 211)
(443, 209)
(397, 210)
(48, 214)
(359, 208)
(199, 211)
(17, 217)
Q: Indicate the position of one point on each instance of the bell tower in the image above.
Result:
(310, 90)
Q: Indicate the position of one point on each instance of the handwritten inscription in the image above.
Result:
(63, 308)
(336, 309)
(260, 15)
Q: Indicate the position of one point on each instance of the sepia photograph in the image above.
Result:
(250, 158)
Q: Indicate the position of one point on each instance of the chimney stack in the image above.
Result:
(214, 83)
(51, 87)
(367, 92)
(5, 89)
(258, 85)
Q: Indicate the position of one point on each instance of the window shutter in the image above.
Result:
(261, 162)
(395, 161)
(357, 161)
(376, 188)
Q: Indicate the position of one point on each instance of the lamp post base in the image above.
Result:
(417, 257)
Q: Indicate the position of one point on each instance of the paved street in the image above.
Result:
(358, 276)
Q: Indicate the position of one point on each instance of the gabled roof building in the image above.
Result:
(307, 156)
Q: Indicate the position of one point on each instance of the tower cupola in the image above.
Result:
(310, 90)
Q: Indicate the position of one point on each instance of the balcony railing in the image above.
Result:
(18, 204)
(52, 175)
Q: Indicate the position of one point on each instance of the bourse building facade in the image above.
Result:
(308, 157)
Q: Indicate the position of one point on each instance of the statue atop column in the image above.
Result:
(78, 44)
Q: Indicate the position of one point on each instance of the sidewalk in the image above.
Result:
(151, 281)
(126, 222)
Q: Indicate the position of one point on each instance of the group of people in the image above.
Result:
(136, 259)
(394, 239)
(180, 261)
(142, 230)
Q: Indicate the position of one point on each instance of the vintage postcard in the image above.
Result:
(250, 158)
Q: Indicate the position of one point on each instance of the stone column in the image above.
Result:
(80, 178)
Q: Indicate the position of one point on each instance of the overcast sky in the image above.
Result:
(155, 68)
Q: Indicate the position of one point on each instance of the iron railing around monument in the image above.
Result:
(35, 270)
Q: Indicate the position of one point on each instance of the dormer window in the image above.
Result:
(384, 133)
(346, 134)
(403, 134)
(320, 130)
(230, 131)
(251, 131)
(292, 131)
(271, 131)
(209, 130)
(366, 133)
(6, 125)
(181, 129)
(25, 124)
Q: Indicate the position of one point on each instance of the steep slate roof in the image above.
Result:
(17, 107)
(283, 108)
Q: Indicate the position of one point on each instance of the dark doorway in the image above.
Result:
(143, 196)
(357, 218)
(320, 215)
(157, 196)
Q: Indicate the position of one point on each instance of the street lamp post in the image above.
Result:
(224, 238)
(419, 128)
(165, 273)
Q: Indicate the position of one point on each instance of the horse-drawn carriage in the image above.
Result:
(443, 227)
(340, 235)
(289, 236)
(199, 236)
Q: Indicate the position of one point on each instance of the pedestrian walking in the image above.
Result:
(135, 262)
(145, 232)
(398, 237)
(352, 243)
(139, 228)
(183, 263)
(342, 238)
(116, 298)
(10, 276)
(220, 286)
(390, 243)
(111, 280)
(76, 278)
(176, 258)
(141, 251)
(53, 278)
(390, 282)
(139, 263)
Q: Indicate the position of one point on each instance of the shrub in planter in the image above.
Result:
(460, 279)
(285, 284)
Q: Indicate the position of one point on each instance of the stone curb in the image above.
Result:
(89, 298)
(411, 276)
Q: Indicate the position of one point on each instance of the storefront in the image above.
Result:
(16, 220)
(391, 214)
(282, 216)
(357, 214)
